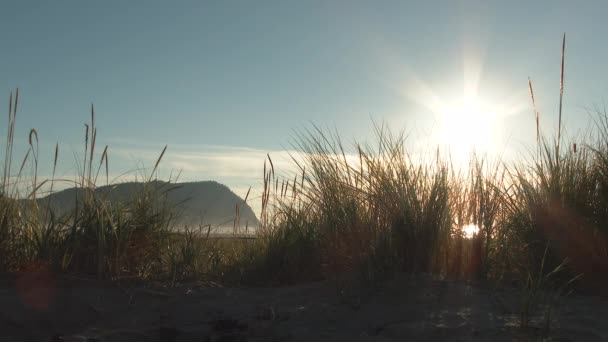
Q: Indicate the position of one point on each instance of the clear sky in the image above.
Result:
(224, 82)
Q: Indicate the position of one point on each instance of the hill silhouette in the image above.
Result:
(196, 203)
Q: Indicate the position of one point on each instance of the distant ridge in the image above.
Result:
(196, 203)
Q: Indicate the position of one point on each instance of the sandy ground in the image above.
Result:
(41, 307)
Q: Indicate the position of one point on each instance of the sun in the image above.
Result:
(467, 125)
(465, 118)
(470, 230)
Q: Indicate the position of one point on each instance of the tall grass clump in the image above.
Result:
(15, 231)
(478, 202)
(556, 205)
(559, 201)
(106, 238)
(410, 200)
(373, 211)
(96, 236)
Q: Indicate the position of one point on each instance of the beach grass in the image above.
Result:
(371, 209)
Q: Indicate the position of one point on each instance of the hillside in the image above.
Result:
(206, 202)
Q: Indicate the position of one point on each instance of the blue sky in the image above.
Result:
(225, 82)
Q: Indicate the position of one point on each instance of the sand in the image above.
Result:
(43, 307)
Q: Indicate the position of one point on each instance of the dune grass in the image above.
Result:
(372, 210)
(96, 237)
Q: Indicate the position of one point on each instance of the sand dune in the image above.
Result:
(42, 307)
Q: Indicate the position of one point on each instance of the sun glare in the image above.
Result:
(470, 230)
(467, 125)
(467, 117)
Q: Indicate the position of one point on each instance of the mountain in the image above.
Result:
(196, 203)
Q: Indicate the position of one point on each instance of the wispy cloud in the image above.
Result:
(203, 161)
(239, 168)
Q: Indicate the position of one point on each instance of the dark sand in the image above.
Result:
(47, 308)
